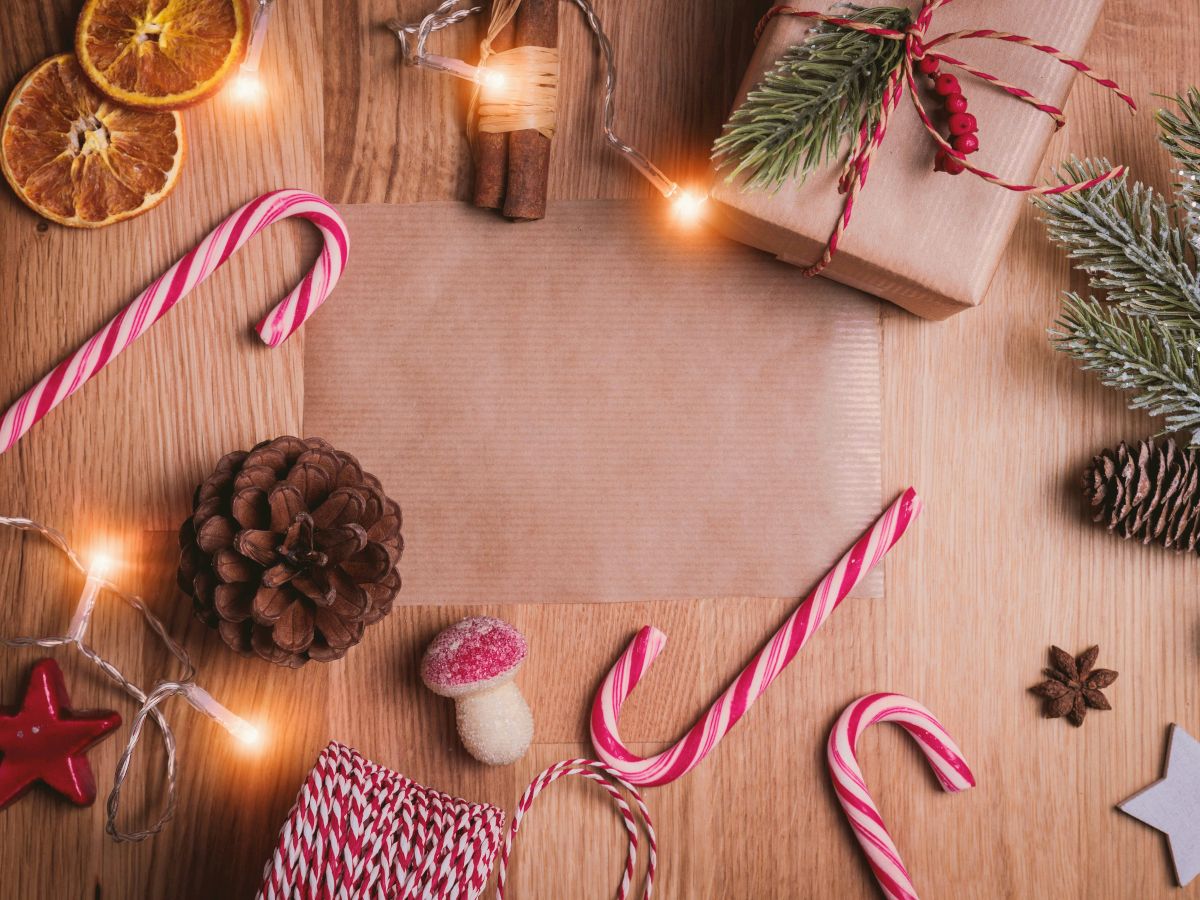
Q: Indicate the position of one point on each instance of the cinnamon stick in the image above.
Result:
(491, 148)
(529, 150)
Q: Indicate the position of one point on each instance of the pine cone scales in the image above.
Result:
(291, 551)
(1148, 492)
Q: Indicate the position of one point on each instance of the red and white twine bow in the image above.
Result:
(918, 46)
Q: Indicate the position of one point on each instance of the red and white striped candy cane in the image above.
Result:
(687, 753)
(170, 287)
(939, 748)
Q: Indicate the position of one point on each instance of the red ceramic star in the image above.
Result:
(45, 741)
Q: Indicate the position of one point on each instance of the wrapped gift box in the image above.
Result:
(927, 241)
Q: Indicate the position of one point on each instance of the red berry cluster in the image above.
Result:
(962, 124)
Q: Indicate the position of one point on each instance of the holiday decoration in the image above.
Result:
(474, 662)
(1172, 804)
(247, 86)
(291, 551)
(690, 751)
(161, 55)
(45, 741)
(360, 830)
(517, 92)
(825, 87)
(75, 158)
(53, 695)
(612, 783)
(491, 147)
(940, 751)
(1147, 493)
(170, 287)
(1074, 686)
(1140, 329)
(528, 157)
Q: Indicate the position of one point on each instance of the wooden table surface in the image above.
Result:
(990, 424)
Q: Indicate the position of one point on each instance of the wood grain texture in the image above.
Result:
(979, 413)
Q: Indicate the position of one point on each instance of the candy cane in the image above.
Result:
(939, 748)
(687, 753)
(170, 287)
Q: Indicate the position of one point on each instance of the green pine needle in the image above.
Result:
(1180, 132)
(1128, 242)
(1161, 368)
(1143, 334)
(814, 99)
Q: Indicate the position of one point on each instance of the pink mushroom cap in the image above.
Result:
(472, 655)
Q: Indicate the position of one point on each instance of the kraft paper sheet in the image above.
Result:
(599, 406)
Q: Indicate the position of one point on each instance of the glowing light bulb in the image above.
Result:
(97, 569)
(248, 734)
(687, 205)
(247, 88)
(491, 79)
(101, 564)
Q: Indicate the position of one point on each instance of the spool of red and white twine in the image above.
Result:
(170, 287)
(358, 829)
(772, 659)
(939, 748)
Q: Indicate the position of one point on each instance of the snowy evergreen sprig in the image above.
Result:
(1140, 330)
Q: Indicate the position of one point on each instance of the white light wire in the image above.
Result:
(413, 37)
(149, 703)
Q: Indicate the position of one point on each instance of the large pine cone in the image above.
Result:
(291, 551)
(1148, 492)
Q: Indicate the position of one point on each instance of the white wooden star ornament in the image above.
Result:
(1172, 804)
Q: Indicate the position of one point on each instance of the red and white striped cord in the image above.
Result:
(612, 782)
(918, 45)
(359, 831)
(170, 287)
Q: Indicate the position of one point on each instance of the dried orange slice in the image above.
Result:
(76, 157)
(161, 54)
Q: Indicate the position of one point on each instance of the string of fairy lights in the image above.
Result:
(414, 37)
(95, 584)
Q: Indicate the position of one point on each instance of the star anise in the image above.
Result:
(1073, 686)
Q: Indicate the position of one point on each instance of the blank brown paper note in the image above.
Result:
(598, 406)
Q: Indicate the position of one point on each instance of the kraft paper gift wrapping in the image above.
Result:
(600, 406)
(927, 241)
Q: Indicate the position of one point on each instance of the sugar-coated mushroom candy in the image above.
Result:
(474, 662)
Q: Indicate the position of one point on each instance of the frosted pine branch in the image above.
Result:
(1180, 134)
(1128, 352)
(1128, 242)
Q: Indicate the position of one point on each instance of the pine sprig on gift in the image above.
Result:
(812, 101)
(1142, 332)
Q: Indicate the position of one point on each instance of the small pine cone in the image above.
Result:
(291, 551)
(1148, 492)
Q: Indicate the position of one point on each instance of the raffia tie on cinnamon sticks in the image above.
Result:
(512, 124)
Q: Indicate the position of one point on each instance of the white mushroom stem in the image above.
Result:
(495, 724)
